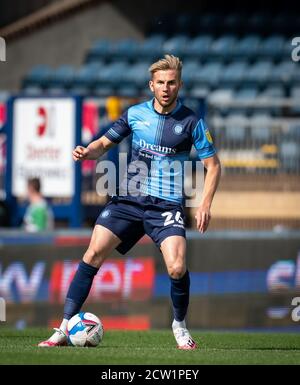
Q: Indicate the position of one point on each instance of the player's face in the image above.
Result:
(165, 86)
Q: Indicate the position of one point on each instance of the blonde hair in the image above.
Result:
(170, 62)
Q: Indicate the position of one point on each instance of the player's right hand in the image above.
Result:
(80, 153)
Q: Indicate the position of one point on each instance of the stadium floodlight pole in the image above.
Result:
(2, 49)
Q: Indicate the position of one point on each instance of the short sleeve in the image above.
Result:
(119, 130)
(202, 140)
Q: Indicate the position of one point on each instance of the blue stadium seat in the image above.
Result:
(104, 91)
(210, 22)
(32, 90)
(236, 128)
(247, 47)
(290, 156)
(62, 76)
(234, 22)
(258, 23)
(151, 48)
(100, 50)
(137, 74)
(125, 49)
(282, 72)
(209, 74)
(259, 73)
(273, 92)
(272, 47)
(261, 125)
(199, 92)
(295, 95)
(87, 75)
(292, 131)
(234, 73)
(223, 47)
(112, 74)
(176, 45)
(39, 75)
(55, 90)
(128, 91)
(246, 93)
(199, 47)
(295, 70)
(79, 90)
(190, 68)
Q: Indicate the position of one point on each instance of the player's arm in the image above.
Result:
(212, 174)
(119, 130)
(94, 150)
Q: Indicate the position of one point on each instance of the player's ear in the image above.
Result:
(151, 85)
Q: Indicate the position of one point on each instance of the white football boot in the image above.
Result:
(183, 338)
(59, 338)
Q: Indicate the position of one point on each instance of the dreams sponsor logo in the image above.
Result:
(156, 147)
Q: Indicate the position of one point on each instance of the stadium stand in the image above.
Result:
(239, 64)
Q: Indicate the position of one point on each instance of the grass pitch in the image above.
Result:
(153, 347)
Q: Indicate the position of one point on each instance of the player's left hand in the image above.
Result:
(202, 218)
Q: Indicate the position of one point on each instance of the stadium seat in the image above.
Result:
(282, 72)
(127, 91)
(209, 74)
(39, 75)
(112, 74)
(55, 91)
(258, 23)
(32, 90)
(103, 91)
(259, 73)
(87, 75)
(234, 22)
(190, 68)
(234, 73)
(151, 48)
(295, 94)
(125, 49)
(199, 92)
(210, 22)
(100, 50)
(79, 90)
(290, 156)
(272, 47)
(292, 131)
(137, 75)
(235, 128)
(223, 47)
(247, 47)
(261, 128)
(62, 76)
(199, 47)
(176, 45)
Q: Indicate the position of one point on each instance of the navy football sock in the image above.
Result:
(180, 294)
(79, 289)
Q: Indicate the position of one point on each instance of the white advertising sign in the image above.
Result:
(43, 140)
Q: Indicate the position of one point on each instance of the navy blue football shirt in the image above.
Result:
(161, 143)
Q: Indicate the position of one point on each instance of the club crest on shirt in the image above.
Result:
(105, 213)
(178, 129)
(208, 136)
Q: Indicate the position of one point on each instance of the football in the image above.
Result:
(84, 329)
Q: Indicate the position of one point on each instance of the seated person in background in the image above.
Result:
(38, 215)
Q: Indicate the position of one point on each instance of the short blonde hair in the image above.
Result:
(170, 62)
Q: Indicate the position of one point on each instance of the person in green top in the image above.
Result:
(38, 215)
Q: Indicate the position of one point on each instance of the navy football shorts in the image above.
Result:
(129, 218)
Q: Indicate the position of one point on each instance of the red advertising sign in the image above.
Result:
(118, 279)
